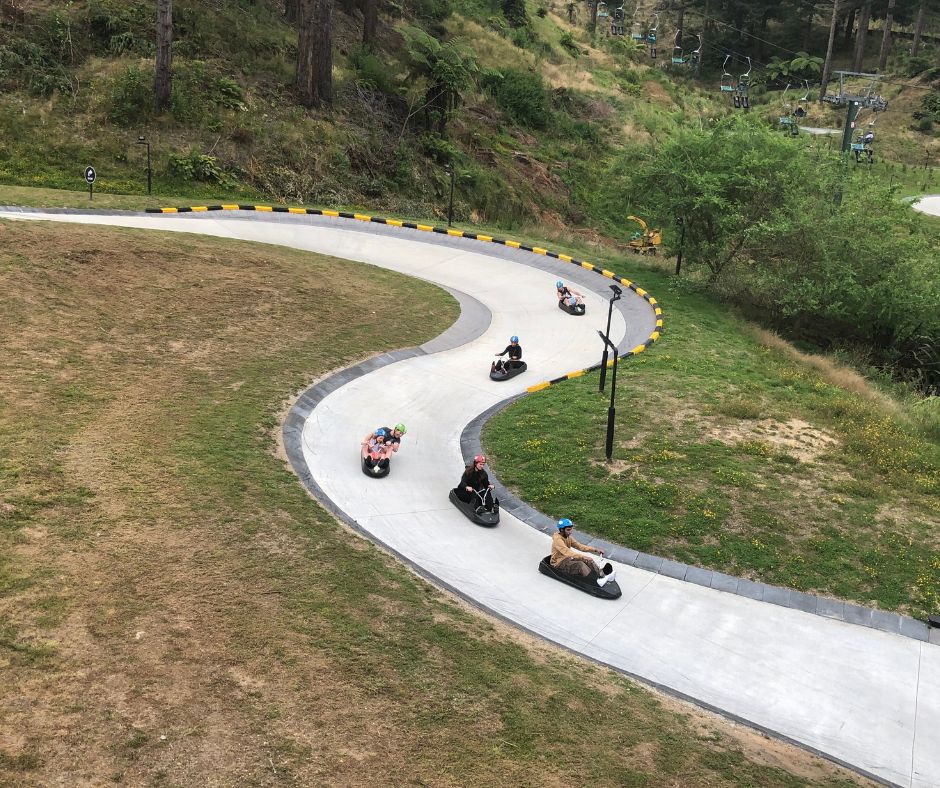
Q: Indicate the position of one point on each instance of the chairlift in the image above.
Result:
(602, 11)
(616, 22)
(635, 33)
(679, 58)
(788, 121)
(651, 28)
(741, 100)
(863, 143)
(727, 80)
(800, 111)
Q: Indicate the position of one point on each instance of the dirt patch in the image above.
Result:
(795, 437)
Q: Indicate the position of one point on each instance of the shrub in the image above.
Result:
(370, 70)
(194, 166)
(520, 94)
(131, 98)
(515, 13)
(569, 45)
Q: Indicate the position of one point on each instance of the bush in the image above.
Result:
(515, 13)
(195, 166)
(520, 94)
(371, 71)
(569, 45)
(131, 99)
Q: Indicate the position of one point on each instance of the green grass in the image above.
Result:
(703, 475)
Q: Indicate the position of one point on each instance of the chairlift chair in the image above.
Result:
(616, 22)
(635, 33)
(741, 100)
(787, 121)
(679, 58)
(677, 51)
(651, 34)
(727, 81)
(602, 12)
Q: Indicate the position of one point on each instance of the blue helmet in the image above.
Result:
(380, 433)
(513, 339)
(559, 283)
(564, 522)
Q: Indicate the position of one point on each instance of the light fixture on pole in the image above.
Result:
(145, 141)
(606, 337)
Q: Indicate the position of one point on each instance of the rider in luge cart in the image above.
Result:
(514, 351)
(475, 488)
(566, 559)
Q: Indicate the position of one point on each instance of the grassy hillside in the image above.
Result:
(551, 124)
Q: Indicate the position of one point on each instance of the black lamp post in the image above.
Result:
(449, 169)
(145, 141)
(606, 337)
(611, 411)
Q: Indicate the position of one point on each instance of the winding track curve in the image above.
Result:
(865, 698)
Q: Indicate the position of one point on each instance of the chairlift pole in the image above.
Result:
(617, 292)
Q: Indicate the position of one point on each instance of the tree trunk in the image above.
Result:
(292, 10)
(849, 24)
(918, 27)
(861, 37)
(808, 28)
(886, 38)
(593, 16)
(315, 53)
(827, 66)
(164, 64)
(370, 21)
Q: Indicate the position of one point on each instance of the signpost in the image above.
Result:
(90, 176)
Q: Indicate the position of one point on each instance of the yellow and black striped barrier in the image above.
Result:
(457, 234)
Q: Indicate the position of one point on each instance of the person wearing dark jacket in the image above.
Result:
(514, 351)
(475, 488)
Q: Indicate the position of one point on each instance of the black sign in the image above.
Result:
(90, 174)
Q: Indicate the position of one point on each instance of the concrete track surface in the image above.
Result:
(866, 698)
(928, 204)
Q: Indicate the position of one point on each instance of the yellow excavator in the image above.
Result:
(645, 242)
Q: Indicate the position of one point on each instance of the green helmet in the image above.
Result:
(401, 428)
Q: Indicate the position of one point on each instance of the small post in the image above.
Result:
(617, 292)
(681, 224)
(145, 141)
(449, 169)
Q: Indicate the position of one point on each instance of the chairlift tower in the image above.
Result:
(863, 99)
